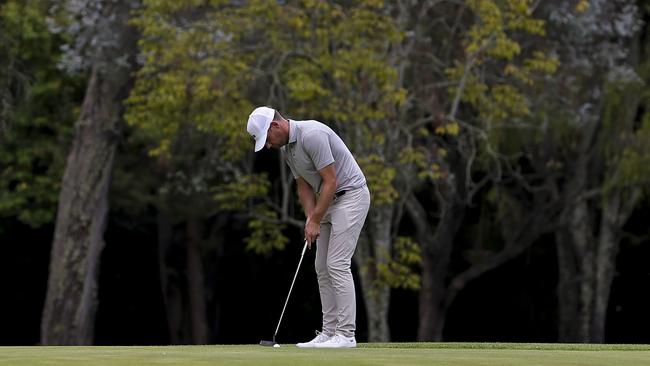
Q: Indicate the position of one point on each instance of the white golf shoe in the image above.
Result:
(320, 337)
(338, 341)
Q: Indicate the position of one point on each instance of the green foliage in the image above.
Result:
(418, 158)
(200, 72)
(188, 79)
(626, 139)
(380, 178)
(492, 44)
(451, 129)
(234, 195)
(400, 271)
(332, 67)
(322, 60)
(189, 105)
(635, 163)
(582, 6)
(507, 207)
(34, 146)
(208, 63)
(266, 232)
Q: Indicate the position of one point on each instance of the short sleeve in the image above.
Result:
(317, 146)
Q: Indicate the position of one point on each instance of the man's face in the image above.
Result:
(274, 138)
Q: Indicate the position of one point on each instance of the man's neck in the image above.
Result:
(288, 131)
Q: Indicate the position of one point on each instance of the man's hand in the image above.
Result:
(312, 230)
(316, 209)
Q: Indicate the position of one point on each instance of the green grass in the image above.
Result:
(406, 354)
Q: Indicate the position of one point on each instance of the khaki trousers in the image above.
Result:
(339, 232)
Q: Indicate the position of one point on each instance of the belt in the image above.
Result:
(339, 194)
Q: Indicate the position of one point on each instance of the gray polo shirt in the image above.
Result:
(313, 146)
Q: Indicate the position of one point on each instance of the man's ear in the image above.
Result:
(274, 124)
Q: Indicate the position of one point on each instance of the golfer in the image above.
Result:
(333, 193)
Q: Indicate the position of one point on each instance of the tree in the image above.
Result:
(459, 147)
(600, 51)
(105, 45)
(188, 106)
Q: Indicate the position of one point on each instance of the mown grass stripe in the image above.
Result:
(368, 354)
(512, 346)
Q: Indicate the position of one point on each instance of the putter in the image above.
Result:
(272, 343)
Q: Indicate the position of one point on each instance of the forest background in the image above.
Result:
(506, 144)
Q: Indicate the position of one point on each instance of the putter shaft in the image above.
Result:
(290, 288)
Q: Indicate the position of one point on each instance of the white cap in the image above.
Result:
(258, 125)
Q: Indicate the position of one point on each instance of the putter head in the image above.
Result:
(267, 343)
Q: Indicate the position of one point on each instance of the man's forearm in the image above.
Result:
(324, 201)
(307, 199)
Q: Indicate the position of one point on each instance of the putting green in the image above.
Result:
(406, 354)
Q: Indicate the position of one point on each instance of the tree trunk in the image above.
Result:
(617, 209)
(436, 254)
(171, 297)
(567, 290)
(373, 249)
(376, 299)
(196, 286)
(605, 265)
(583, 242)
(586, 268)
(71, 301)
(587, 264)
(576, 285)
(432, 307)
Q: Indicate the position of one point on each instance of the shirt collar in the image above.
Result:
(292, 131)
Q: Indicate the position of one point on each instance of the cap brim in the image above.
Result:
(260, 141)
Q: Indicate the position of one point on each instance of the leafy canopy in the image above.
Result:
(34, 145)
(206, 64)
